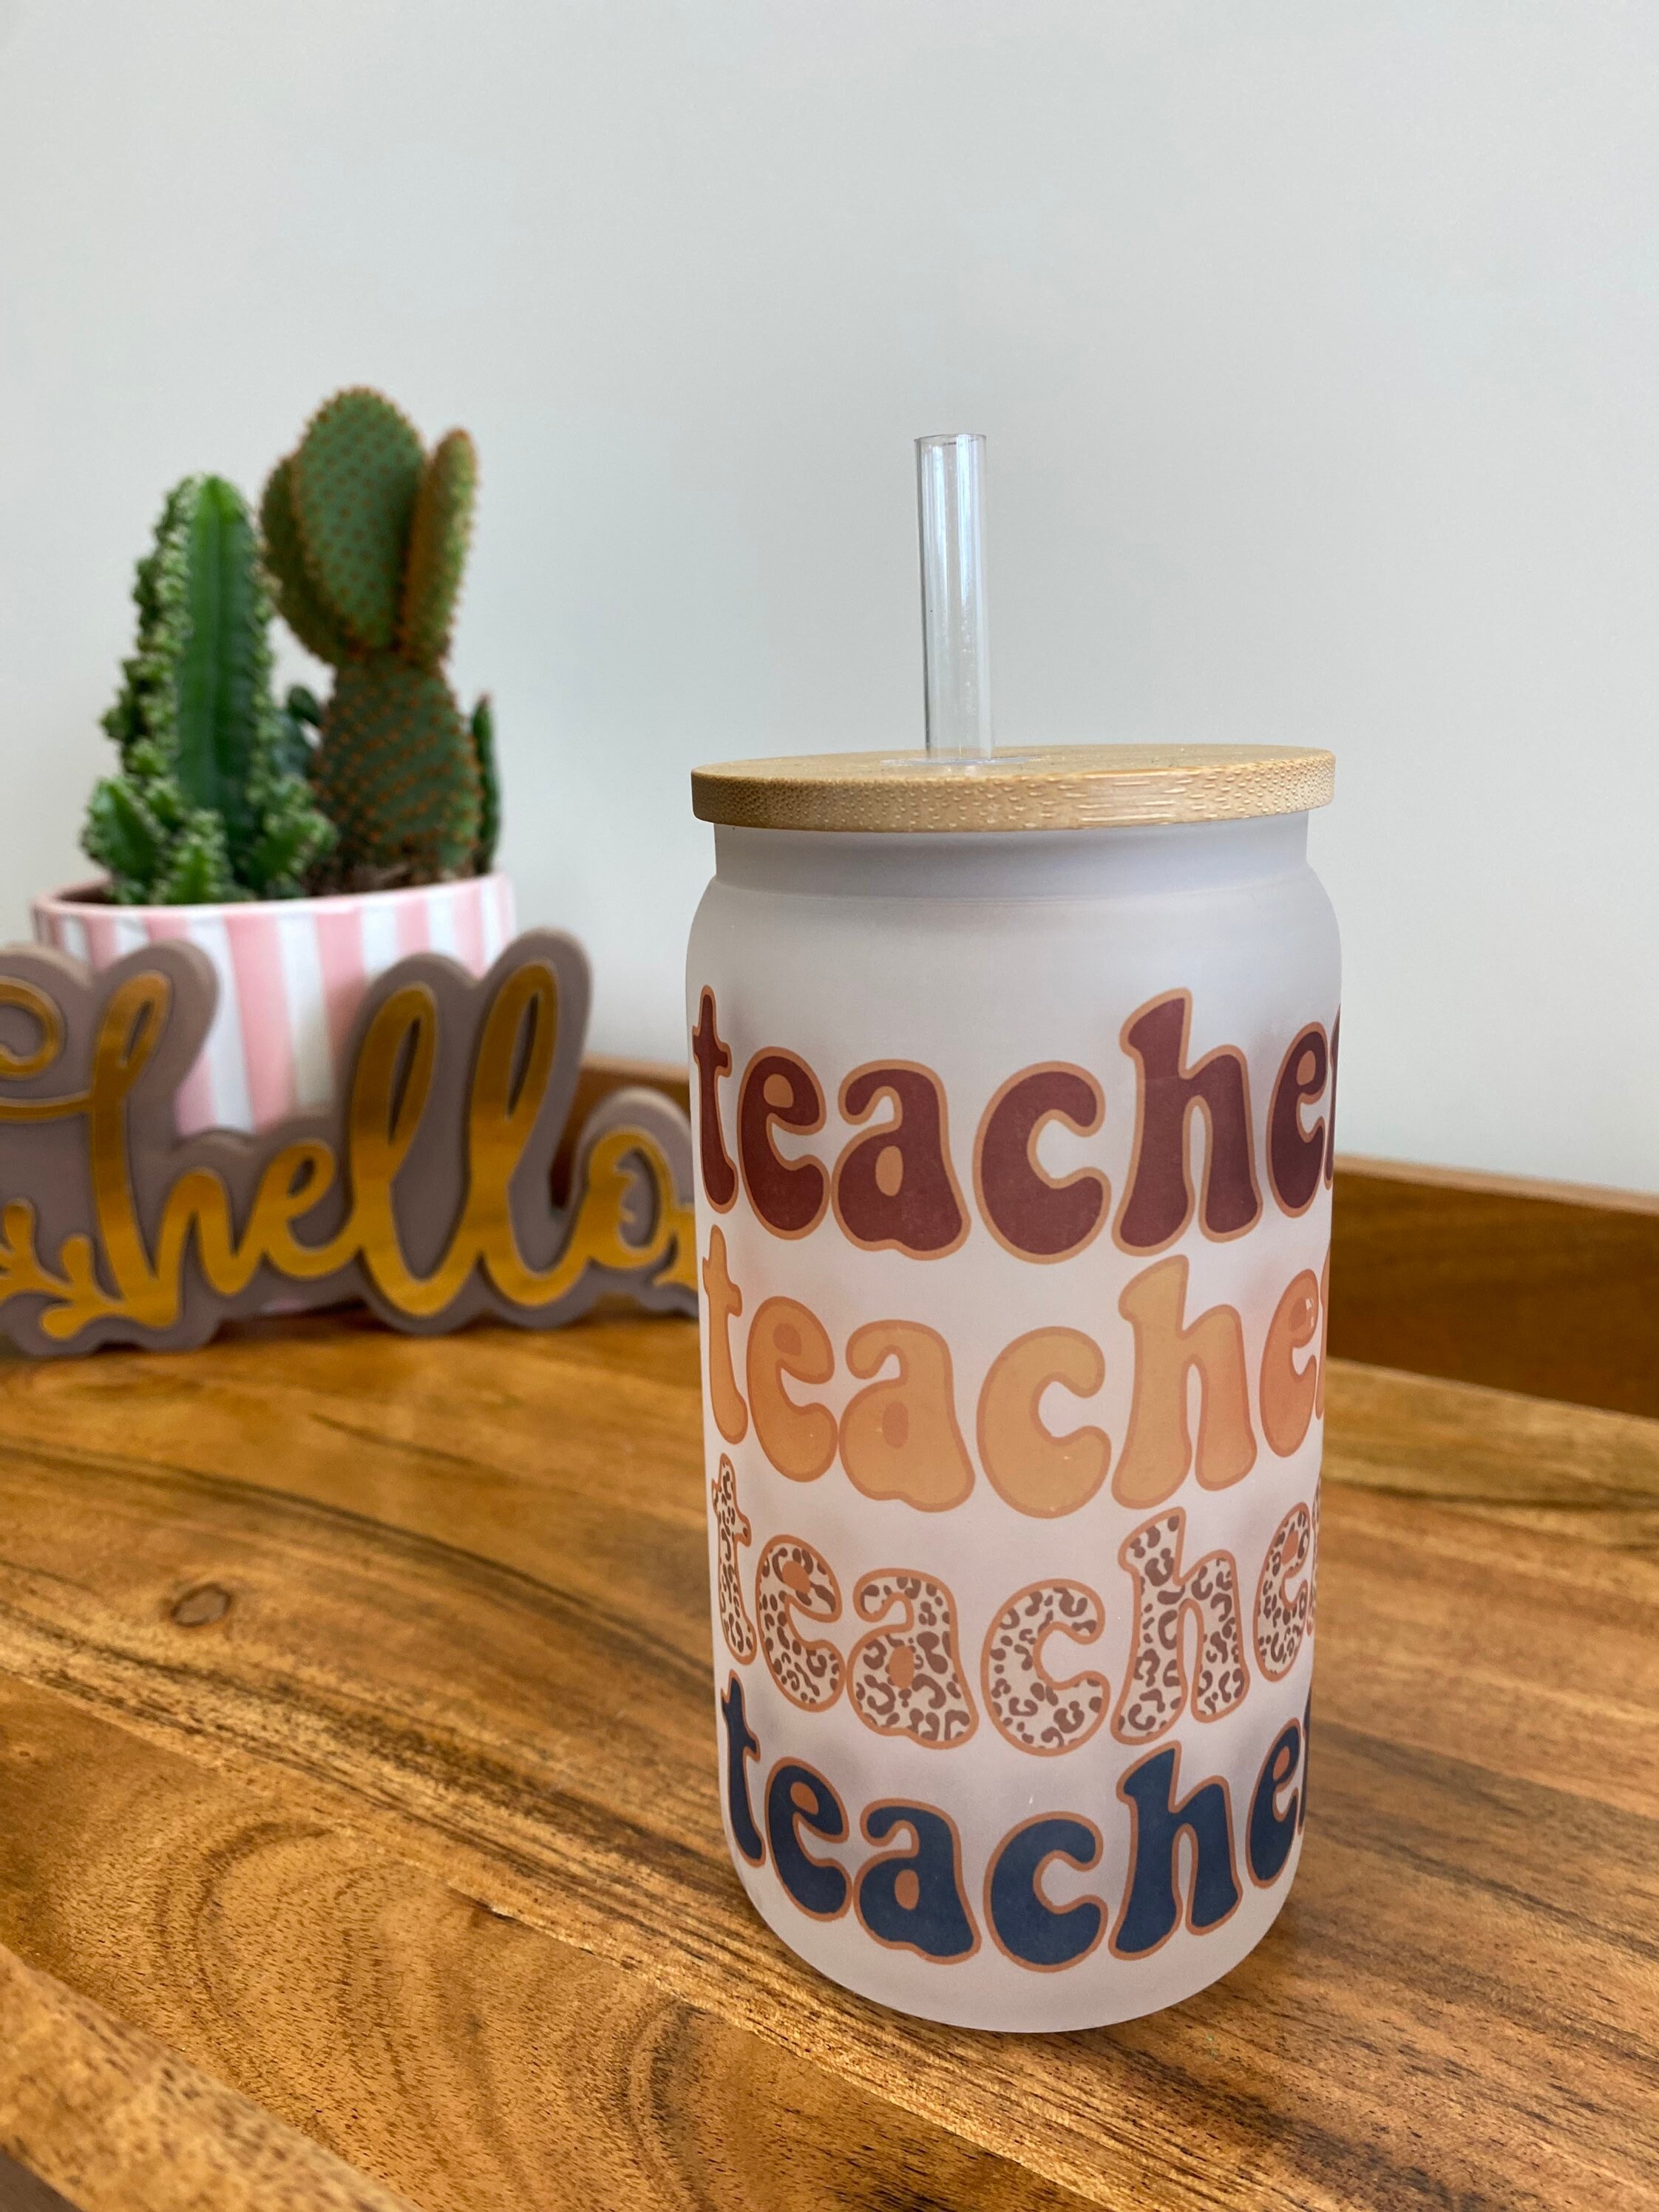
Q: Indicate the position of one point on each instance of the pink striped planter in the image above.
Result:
(292, 973)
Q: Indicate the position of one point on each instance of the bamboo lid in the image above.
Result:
(1047, 787)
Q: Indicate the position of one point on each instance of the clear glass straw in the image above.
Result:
(955, 646)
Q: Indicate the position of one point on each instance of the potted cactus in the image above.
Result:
(365, 536)
(304, 848)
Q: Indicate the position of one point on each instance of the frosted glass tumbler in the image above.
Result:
(1013, 1089)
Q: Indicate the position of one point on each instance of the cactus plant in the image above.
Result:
(207, 804)
(365, 536)
(490, 788)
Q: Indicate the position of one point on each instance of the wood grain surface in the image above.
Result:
(1551, 1290)
(355, 1743)
(119, 2120)
(1069, 787)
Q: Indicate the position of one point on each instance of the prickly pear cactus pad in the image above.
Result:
(387, 769)
(355, 478)
(210, 803)
(365, 536)
(437, 550)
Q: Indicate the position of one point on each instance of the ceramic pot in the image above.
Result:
(292, 973)
(1014, 1105)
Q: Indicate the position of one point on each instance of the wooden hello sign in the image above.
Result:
(424, 1191)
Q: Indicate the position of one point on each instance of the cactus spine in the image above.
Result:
(366, 537)
(207, 805)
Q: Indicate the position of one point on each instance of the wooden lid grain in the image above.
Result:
(1047, 787)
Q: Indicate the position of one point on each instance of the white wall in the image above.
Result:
(1318, 348)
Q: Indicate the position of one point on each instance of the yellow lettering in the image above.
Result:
(391, 1086)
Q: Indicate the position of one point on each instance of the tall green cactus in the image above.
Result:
(207, 805)
(366, 537)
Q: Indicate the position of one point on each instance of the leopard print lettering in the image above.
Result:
(1028, 1705)
(904, 1678)
(732, 1528)
(1157, 1687)
(792, 1575)
(1281, 1621)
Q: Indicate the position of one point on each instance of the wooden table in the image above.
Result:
(358, 1830)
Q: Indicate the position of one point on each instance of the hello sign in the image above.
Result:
(424, 1191)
